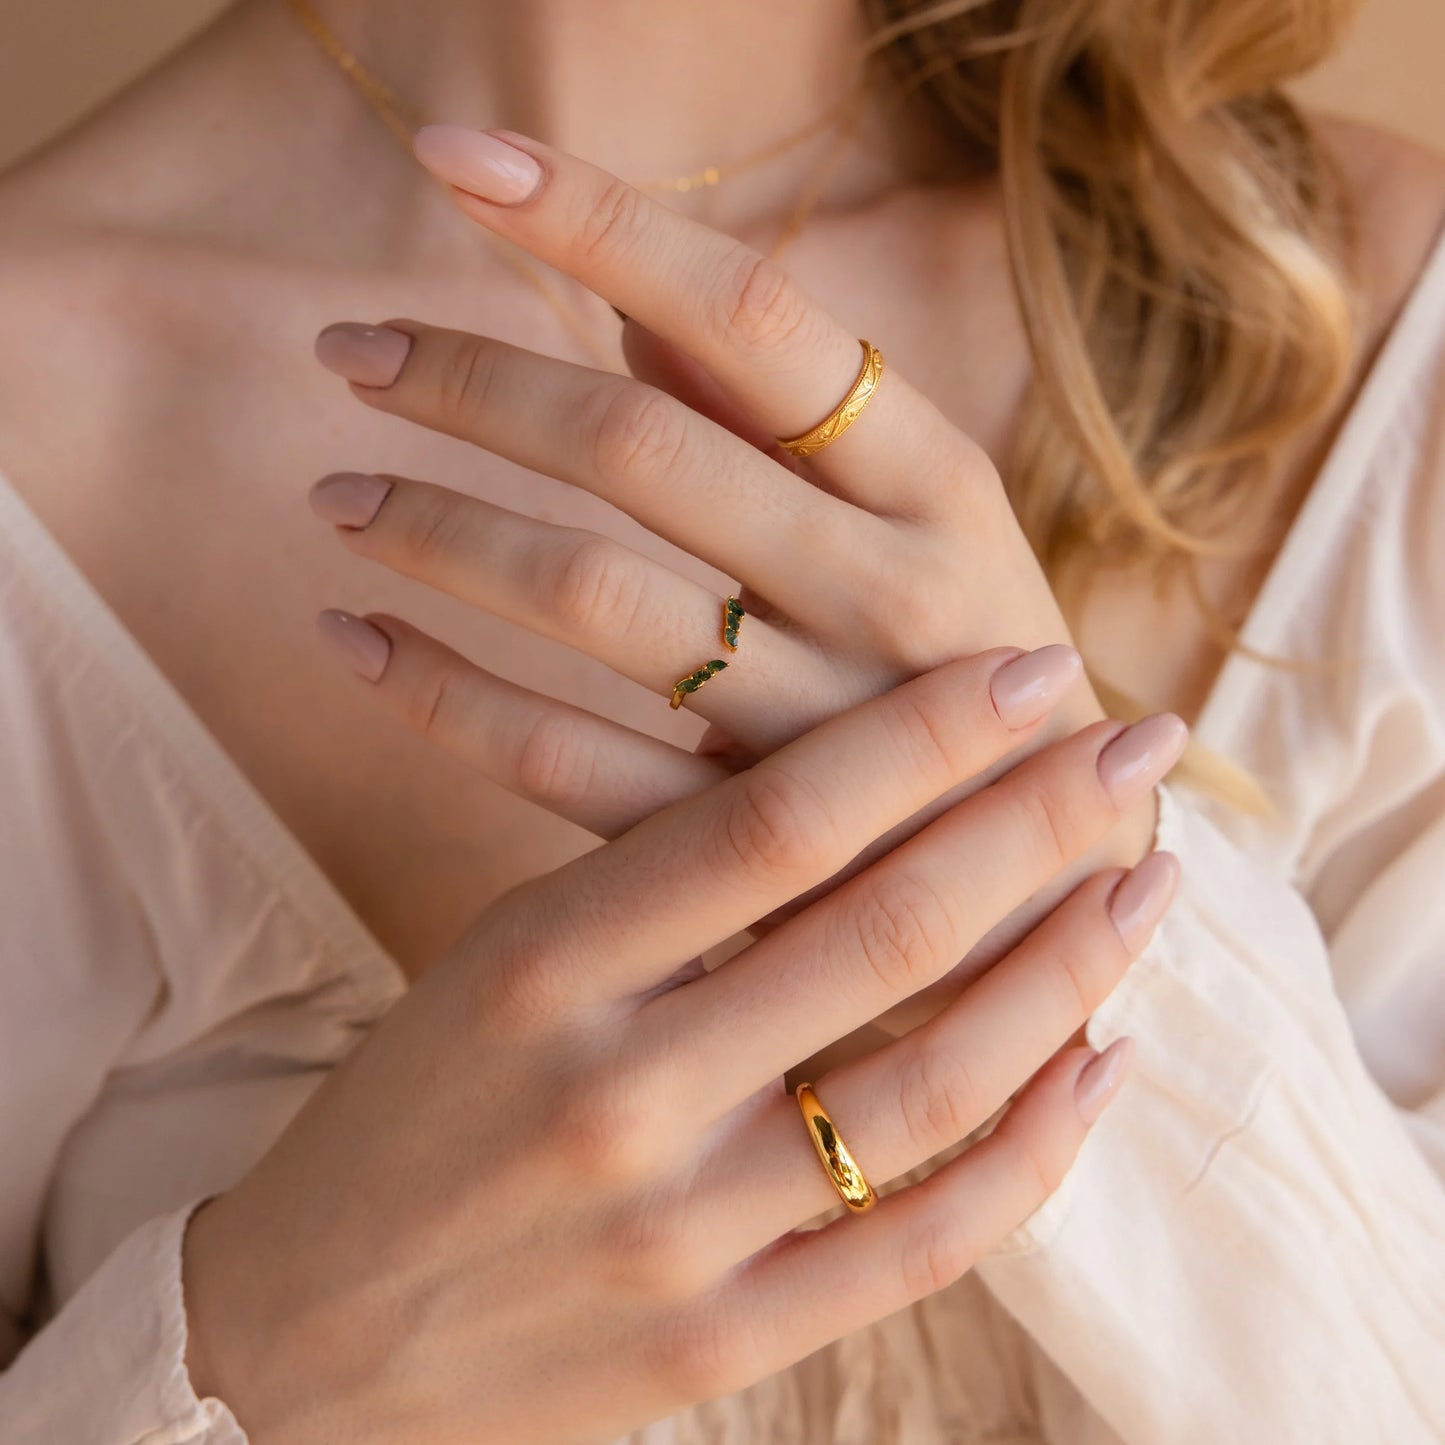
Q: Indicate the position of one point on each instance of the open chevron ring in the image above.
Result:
(732, 619)
(845, 413)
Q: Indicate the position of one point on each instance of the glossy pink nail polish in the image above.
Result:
(1140, 755)
(366, 649)
(1142, 897)
(474, 161)
(1098, 1085)
(349, 499)
(367, 355)
(1026, 687)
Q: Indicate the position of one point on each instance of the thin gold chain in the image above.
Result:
(404, 119)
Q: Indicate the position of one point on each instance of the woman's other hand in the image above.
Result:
(884, 554)
(555, 1194)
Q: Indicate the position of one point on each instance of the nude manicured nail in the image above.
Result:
(367, 355)
(1098, 1085)
(364, 647)
(349, 499)
(1026, 687)
(1142, 897)
(1135, 760)
(477, 162)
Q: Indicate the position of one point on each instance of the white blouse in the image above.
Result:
(1250, 1247)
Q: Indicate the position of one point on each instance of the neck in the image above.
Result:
(649, 89)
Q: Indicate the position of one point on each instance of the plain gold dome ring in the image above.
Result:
(845, 413)
(855, 1191)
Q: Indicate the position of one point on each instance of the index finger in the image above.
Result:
(715, 863)
(774, 349)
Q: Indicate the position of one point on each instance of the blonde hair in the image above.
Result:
(1177, 243)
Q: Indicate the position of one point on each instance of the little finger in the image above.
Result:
(590, 770)
(816, 1285)
(927, 1091)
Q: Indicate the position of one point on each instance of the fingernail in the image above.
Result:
(1135, 760)
(477, 162)
(367, 355)
(1026, 687)
(1142, 897)
(364, 647)
(1096, 1087)
(349, 499)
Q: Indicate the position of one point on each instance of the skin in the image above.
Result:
(545, 1160)
(163, 233)
(131, 228)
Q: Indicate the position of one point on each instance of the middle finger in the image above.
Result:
(678, 473)
(921, 1095)
(587, 591)
(899, 926)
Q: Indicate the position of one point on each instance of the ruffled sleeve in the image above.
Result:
(109, 1368)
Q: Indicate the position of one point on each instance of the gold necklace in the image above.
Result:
(403, 119)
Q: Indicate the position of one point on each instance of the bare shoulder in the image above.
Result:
(1396, 191)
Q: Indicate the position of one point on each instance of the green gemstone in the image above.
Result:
(730, 636)
(688, 684)
(735, 609)
(716, 665)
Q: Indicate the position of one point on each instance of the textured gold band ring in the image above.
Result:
(732, 619)
(856, 1192)
(845, 413)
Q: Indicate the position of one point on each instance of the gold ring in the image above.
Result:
(845, 413)
(732, 619)
(857, 1193)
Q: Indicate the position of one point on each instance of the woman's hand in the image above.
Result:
(884, 554)
(551, 1198)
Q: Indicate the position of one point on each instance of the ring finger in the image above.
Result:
(582, 589)
(680, 474)
(927, 1091)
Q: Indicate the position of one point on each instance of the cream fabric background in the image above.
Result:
(60, 57)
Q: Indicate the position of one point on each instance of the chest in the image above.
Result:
(195, 530)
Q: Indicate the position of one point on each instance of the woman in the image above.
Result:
(206, 912)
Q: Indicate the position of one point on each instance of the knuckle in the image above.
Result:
(556, 763)
(935, 1255)
(916, 606)
(610, 224)
(780, 826)
(1041, 1170)
(762, 308)
(430, 702)
(939, 1100)
(433, 530)
(1078, 979)
(1051, 831)
(925, 719)
(652, 1245)
(903, 930)
(608, 1128)
(522, 994)
(594, 589)
(695, 1357)
(466, 377)
(640, 434)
